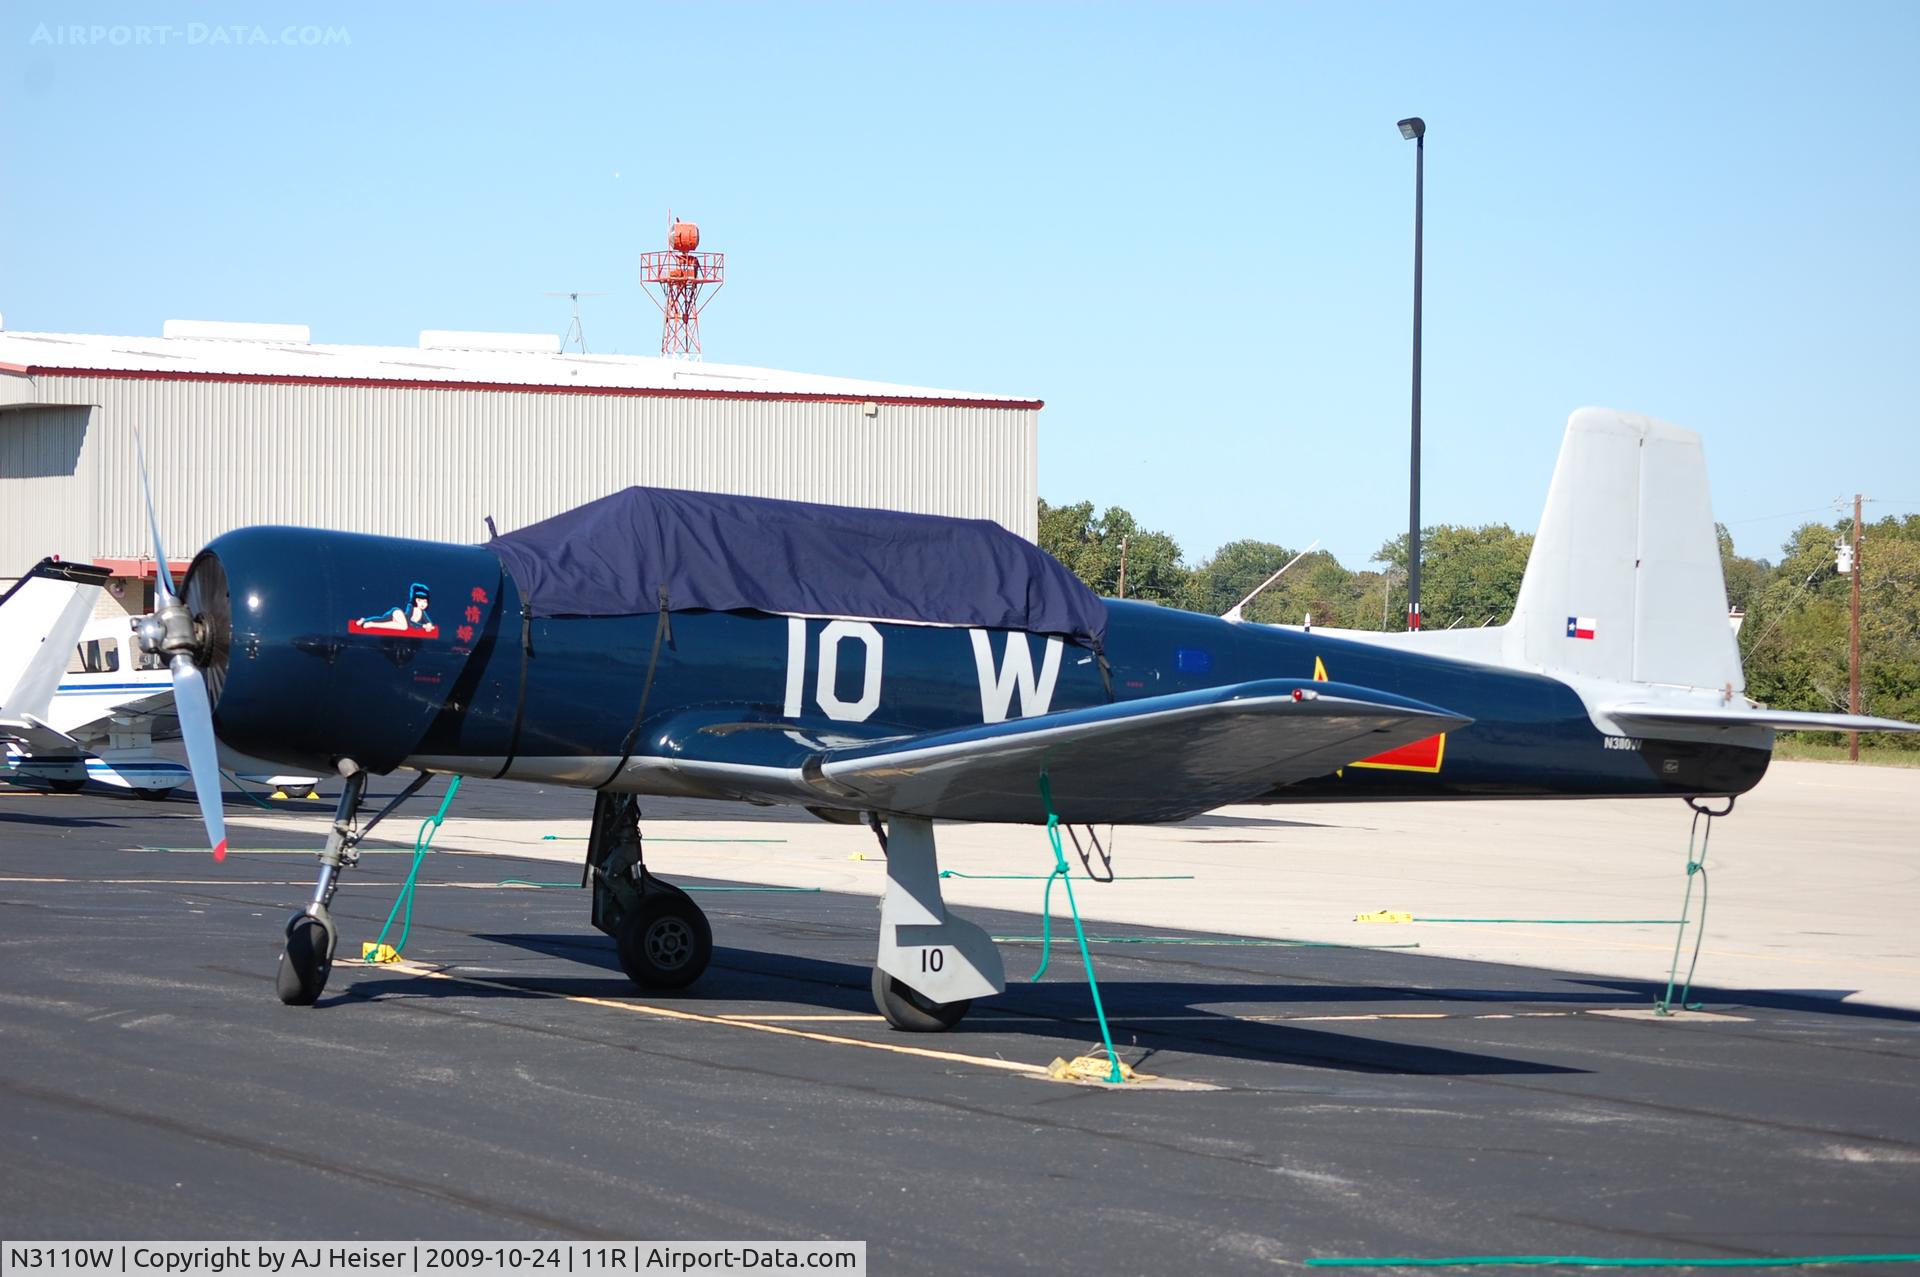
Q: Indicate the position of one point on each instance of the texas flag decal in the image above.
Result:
(1580, 627)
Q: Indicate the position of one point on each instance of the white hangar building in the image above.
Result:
(255, 423)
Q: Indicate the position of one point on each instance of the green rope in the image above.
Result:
(1061, 872)
(1601, 1261)
(248, 794)
(403, 903)
(955, 873)
(1695, 865)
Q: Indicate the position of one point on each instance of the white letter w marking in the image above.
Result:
(997, 687)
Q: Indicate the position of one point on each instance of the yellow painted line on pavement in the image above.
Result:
(787, 1019)
(696, 1017)
(1122, 1018)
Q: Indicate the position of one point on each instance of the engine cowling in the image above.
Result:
(320, 646)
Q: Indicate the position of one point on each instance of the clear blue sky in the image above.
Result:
(1186, 227)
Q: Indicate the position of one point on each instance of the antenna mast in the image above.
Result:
(575, 331)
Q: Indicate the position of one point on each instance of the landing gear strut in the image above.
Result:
(311, 938)
(931, 964)
(307, 960)
(660, 934)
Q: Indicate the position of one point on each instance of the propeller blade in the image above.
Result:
(163, 574)
(191, 702)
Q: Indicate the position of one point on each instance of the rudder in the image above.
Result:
(1624, 581)
(41, 618)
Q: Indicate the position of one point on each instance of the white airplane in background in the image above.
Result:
(80, 701)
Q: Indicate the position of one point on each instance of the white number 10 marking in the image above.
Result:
(826, 689)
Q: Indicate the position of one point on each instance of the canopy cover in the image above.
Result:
(612, 557)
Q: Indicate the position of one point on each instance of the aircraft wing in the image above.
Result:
(1160, 758)
(1649, 720)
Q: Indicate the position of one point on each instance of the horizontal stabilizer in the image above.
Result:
(1649, 720)
(36, 737)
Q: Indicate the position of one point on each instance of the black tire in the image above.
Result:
(66, 786)
(305, 963)
(154, 795)
(666, 943)
(911, 1012)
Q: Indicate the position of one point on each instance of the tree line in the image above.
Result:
(1793, 641)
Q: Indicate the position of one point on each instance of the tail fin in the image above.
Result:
(1624, 582)
(40, 621)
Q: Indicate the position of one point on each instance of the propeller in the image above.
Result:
(170, 632)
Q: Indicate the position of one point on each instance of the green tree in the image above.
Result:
(1318, 587)
(1468, 576)
(1890, 626)
(1795, 645)
(1745, 577)
(1234, 571)
(1091, 548)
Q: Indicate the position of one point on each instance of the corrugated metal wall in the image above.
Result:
(48, 463)
(432, 463)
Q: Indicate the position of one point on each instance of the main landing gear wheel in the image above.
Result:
(911, 1012)
(306, 961)
(665, 942)
(153, 795)
(66, 786)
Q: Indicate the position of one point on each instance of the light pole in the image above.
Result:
(1415, 131)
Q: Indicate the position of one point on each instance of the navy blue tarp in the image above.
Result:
(612, 556)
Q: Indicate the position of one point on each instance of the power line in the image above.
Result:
(1812, 509)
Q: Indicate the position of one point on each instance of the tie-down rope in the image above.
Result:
(377, 951)
(1696, 866)
(1116, 1072)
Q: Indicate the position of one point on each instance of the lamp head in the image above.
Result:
(1413, 128)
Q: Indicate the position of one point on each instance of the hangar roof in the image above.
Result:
(493, 361)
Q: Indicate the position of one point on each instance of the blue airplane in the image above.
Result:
(903, 669)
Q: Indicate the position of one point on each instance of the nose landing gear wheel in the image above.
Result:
(909, 1011)
(306, 961)
(665, 943)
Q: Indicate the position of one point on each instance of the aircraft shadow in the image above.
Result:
(1051, 1011)
(1244, 822)
(1814, 1001)
(56, 822)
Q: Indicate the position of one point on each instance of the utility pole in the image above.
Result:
(1853, 660)
(1123, 567)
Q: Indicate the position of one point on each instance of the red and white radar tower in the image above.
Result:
(682, 274)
